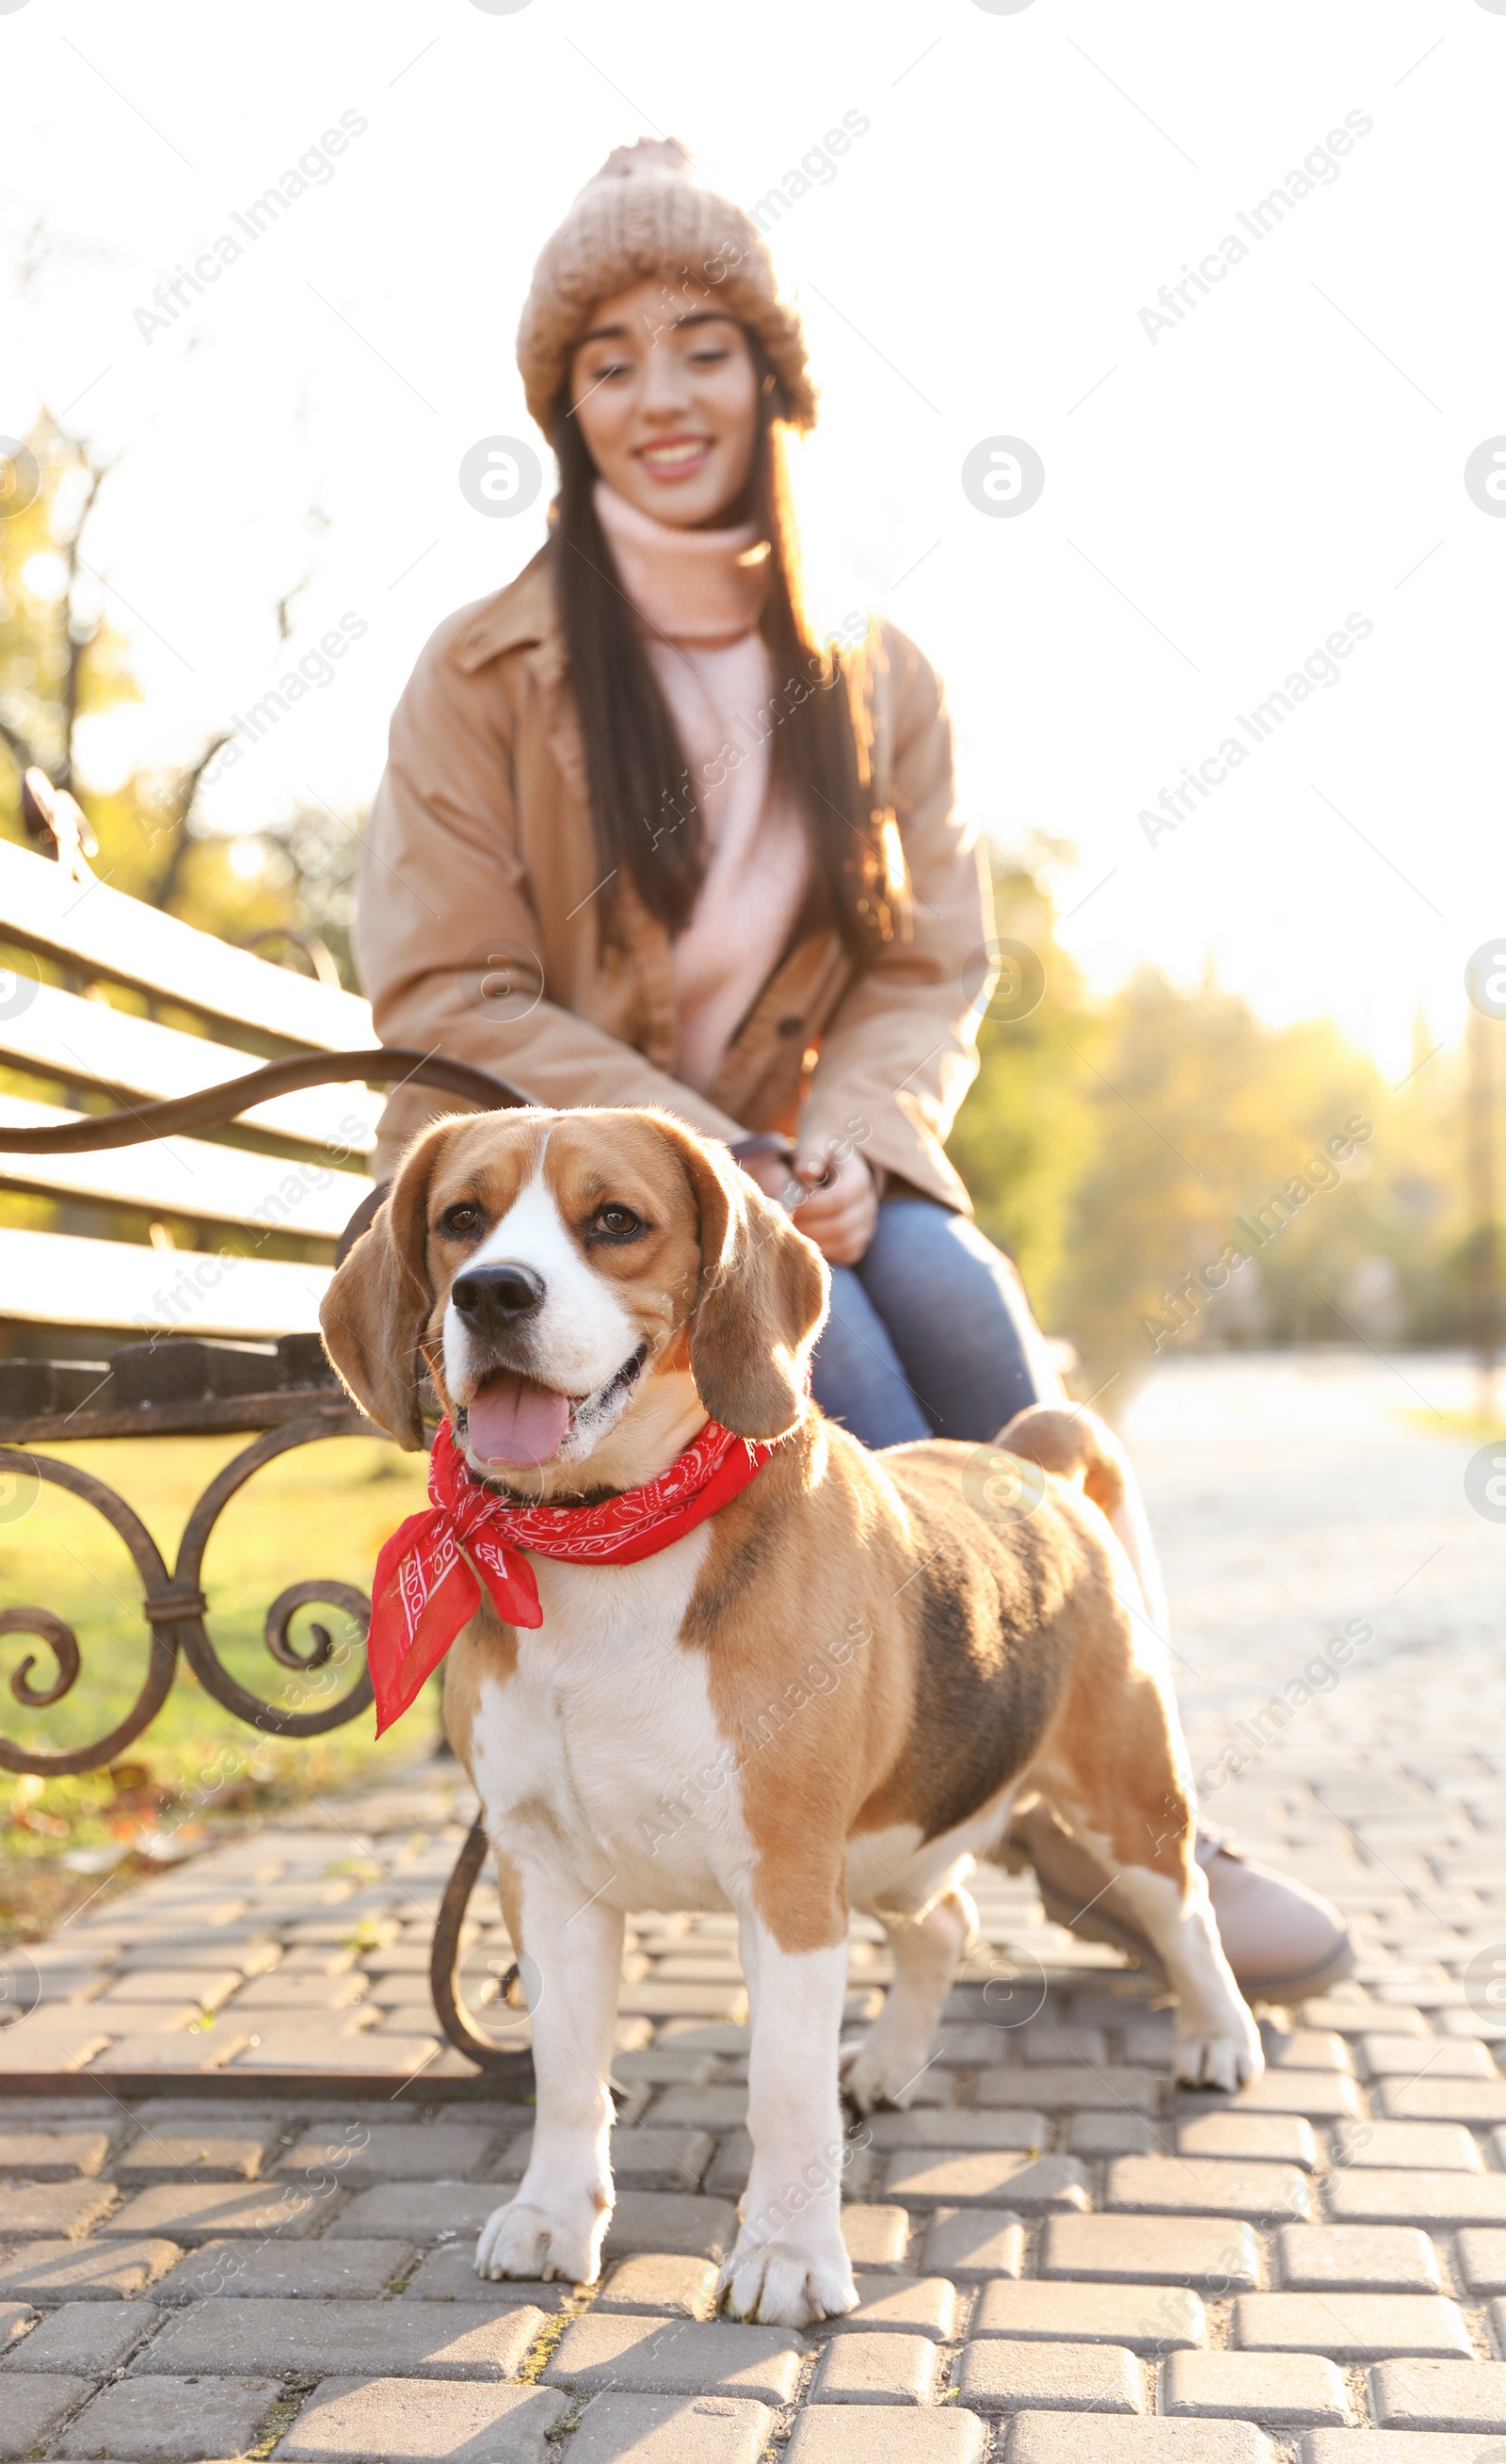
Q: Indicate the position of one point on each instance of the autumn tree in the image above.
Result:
(1129, 1151)
(62, 661)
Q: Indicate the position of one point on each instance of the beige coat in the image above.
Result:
(479, 856)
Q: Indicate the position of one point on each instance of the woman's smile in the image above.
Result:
(673, 458)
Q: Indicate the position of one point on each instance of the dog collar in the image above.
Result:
(428, 1577)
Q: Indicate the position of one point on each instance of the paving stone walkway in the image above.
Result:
(1062, 2259)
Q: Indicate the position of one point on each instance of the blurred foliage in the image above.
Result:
(62, 661)
(1111, 1145)
(1024, 1138)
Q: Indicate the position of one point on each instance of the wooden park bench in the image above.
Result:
(242, 1101)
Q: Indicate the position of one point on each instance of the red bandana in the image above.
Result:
(425, 1585)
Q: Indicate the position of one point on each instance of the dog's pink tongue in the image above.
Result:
(511, 1420)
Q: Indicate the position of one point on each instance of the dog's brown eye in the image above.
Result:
(617, 1222)
(461, 1221)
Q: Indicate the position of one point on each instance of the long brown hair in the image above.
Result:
(644, 809)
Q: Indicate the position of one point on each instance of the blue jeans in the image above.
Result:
(929, 1334)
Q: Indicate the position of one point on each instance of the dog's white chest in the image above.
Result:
(603, 1735)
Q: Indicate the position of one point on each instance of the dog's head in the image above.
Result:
(576, 1284)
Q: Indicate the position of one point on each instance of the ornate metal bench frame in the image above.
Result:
(173, 1603)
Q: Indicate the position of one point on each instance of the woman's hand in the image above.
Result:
(841, 1209)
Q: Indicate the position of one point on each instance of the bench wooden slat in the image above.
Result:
(87, 923)
(91, 1045)
(53, 1279)
(187, 1177)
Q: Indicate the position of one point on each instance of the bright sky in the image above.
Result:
(1286, 455)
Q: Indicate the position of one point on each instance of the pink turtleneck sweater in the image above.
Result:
(699, 595)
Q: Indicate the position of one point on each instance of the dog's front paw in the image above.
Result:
(1225, 2062)
(521, 2239)
(782, 2285)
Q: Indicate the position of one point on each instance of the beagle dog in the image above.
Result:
(829, 1695)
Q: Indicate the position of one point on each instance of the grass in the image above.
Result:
(320, 1510)
(275, 2425)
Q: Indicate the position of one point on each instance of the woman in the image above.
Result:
(642, 840)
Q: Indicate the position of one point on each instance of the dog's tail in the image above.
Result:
(1078, 1447)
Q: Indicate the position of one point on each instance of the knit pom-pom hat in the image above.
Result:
(643, 214)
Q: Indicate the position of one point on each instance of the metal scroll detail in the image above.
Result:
(174, 1607)
(200, 1651)
(443, 1970)
(161, 1604)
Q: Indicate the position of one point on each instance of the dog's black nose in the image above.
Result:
(505, 1291)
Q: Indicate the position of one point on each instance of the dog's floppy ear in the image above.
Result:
(378, 1302)
(761, 1301)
